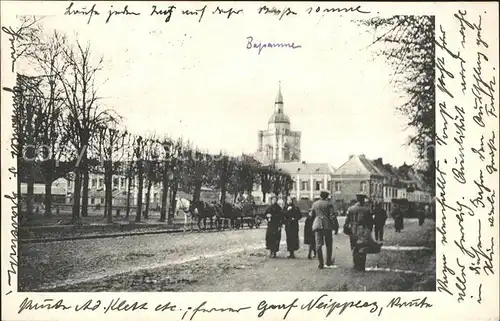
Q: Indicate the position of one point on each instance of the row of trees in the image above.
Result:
(62, 129)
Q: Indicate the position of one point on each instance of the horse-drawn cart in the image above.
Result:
(250, 215)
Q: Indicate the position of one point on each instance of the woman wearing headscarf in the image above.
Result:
(292, 217)
(274, 215)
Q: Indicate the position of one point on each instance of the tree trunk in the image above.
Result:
(197, 191)
(148, 198)
(30, 182)
(109, 192)
(223, 181)
(76, 197)
(85, 193)
(129, 187)
(19, 192)
(139, 192)
(164, 195)
(48, 195)
(173, 203)
(223, 193)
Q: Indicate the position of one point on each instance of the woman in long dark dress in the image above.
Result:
(309, 235)
(292, 218)
(397, 214)
(274, 214)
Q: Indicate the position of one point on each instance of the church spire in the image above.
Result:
(279, 96)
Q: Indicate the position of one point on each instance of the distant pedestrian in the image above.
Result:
(292, 218)
(380, 216)
(322, 227)
(359, 223)
(397, 215)
(421, 217)
(274, 215)
(309, 235)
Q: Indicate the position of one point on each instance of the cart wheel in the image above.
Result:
(258, 221)
(250, 224)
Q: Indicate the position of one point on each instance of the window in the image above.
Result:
(92, 201)
(102, 200)
(363, 187)
(338, 186)
(304, 185)
(319, 185)
(155, 197)
(101, 182)
(123, 181)
(94, 183)
(115, 182)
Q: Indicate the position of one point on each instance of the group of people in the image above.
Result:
(321, 224)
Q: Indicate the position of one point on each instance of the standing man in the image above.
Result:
(323, 227)
(360, 222)
(380, 217)
(292, 218)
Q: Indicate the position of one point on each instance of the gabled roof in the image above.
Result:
(305, 168)
(358, 165)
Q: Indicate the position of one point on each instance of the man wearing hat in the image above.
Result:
(360, 222)
(322, 227)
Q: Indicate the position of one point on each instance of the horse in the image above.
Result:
(183, 205)
(233, 213)
(203, 210)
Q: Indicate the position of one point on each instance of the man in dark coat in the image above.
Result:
(397, 215)
(360, 222)
(380, 217)
(274, 214)
(323, 227)
(292, 218)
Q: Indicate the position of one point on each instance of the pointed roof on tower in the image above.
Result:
(279, 116)
(279, 96)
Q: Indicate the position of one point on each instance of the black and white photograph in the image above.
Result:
(256, 157)
(238, 164)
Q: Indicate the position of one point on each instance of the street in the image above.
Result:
(233, 260)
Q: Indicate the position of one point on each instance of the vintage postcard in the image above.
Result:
(249, 160)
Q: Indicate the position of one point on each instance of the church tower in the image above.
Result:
(278, 143)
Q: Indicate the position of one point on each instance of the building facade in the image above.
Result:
(278, 143)
(357, 175)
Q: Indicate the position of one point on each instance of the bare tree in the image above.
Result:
(48, 61)
(83, 114)
(130, 170)
(176, 163)
(139, 148)
(165, 170)
(110, 149)
(152, 154)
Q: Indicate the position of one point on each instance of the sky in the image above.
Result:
(199, 81)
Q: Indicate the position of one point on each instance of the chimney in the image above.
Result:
(303, 162)
(351, 156)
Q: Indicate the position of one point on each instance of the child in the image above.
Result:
(309, 236)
